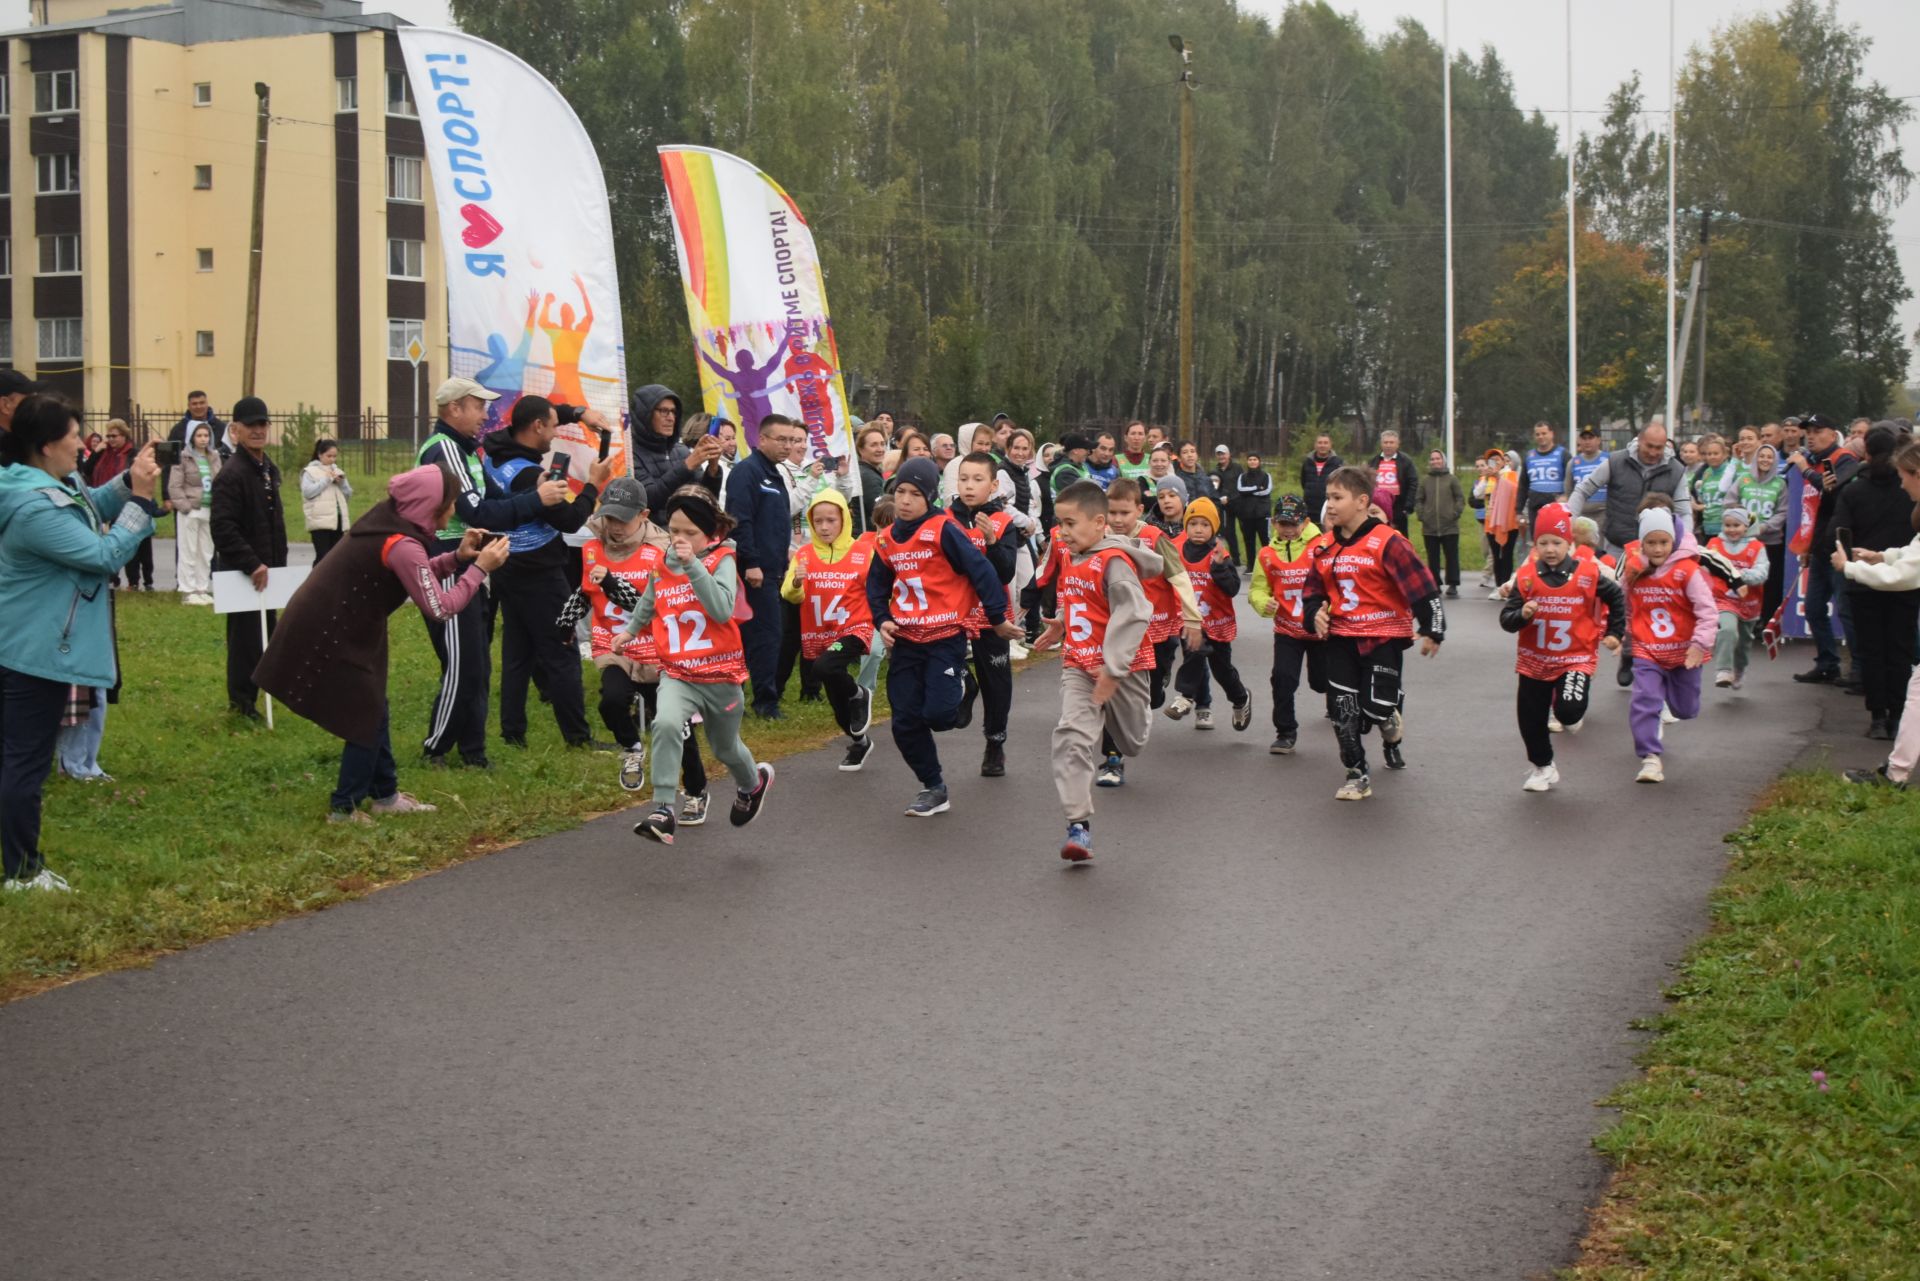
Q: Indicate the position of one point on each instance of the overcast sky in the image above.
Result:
(1612, 39)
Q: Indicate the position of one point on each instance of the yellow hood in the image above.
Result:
(839, 547)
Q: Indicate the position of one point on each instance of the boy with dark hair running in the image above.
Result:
(1102, 619)
(990, 528)
(1370, 594)
(926, 578)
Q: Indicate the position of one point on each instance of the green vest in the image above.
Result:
(1761, 498)
(456, 528)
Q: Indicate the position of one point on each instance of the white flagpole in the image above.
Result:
(1446, 96)
(1673, 179)
(1573, 290)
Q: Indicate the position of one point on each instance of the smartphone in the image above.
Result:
(713, 428)
(166, 453)
(560, 467)
(1844, 537)
(606, 443)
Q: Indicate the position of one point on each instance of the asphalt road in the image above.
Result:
(1268, 1035)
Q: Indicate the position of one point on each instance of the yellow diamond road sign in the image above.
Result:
(415, 350)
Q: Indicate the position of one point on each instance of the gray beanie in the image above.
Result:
(924, 475)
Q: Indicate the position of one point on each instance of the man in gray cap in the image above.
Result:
(459, 716)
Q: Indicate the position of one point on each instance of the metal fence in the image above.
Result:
(365, 445)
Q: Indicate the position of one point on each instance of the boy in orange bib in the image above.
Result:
(1102, 619)
(1215, 579)
(1279, 592)
(1370, 596)
(1563, 608)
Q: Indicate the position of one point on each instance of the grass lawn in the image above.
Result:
(1776, 1133)
(215, 825)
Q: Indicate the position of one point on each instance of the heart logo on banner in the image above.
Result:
(482, 228)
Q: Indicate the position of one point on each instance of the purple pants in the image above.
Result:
(1653, 685)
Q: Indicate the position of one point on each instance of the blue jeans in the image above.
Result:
(366, 769)
(760, 637)
(1827, 586)
(79, 745)
(924, 685)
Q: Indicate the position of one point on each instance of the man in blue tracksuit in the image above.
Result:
(459, 715)
(1543, 475)
(761, 507)
(533, 586)
(1586, 462)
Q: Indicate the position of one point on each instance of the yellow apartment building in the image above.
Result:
(126, 197)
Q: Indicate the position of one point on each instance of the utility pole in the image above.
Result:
(1446, 131)
(1185, 416)
(1700, 369)
(251, 358)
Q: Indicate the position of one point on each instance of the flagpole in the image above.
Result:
(1673, 178)
(1446, 97)
(1573, 289)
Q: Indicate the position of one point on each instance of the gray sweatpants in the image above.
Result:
(1076, 739)
(720, 708)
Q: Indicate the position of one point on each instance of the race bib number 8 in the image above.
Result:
(1662, 623)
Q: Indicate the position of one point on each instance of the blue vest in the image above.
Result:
(1584, 467)
(521, 538)
(1547, 473)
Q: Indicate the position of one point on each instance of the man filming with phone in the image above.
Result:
(533, 586)
(1824, 465)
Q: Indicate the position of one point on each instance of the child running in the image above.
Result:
(1104, 615)
(1370, 595)
(1175, 611)
(990, 527)
(926, 578)
(1279, 592)
(1215, 581)
(827, 579)
(1674, 624)
(1563, 608)
(1739, 604)
(616, 565)
(689, 607)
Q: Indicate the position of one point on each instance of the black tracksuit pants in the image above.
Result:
(760, 637)
(993, 669)
(837, 670)
(243, 655)
(1565, 697)
(1290, 653)
(1217, 657)
(458, 717)
(617, 694)
(530, 604)
(790, 653)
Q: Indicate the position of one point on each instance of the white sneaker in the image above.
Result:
(1358, 787)
(401, 803)
(1203, 718)
(1016, 651)
(1667, 717)
(633, 768)
(1651, 771)
(47, 880)
(1724, 680)
(1553, 724)
(1539, 780)
(1496, 594)
(1577, 726)
(1179, 707)
(1738, 679)
(586, 650)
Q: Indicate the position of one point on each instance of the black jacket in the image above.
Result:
(1004, 552)
(872, 486)
(1313, 481)
(248, 526)
(659, 462)
(214, 421)
(1251, 495)
(1876, 511)
(1845, 464)
(502, 449)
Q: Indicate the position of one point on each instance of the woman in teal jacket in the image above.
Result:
(61, 544)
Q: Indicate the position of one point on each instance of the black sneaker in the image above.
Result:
(1625, 678)
(478, 761)
(857, 753)
(515, 740)
(1453, 592)
(747, 805)
(1878, 729)
(437, 761)
(1872, 778)
(1818, 676)
(970, 691)
(658, 825)
(1282, 745)
(930, 801)
(993, 764)
(860, 714)
(1391, 753)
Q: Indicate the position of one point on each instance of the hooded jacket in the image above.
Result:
(1128, 609)
(1877, 511)
(189, 490)
(1260, 591)
(830, 553)
(566, 518)
(328, 658)
(659, 462)
(1439, 503)
(60, 545)
(1706, 613)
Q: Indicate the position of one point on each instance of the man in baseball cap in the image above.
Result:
(14, 388)
(459, 389)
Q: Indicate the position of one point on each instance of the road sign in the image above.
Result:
(415, 350)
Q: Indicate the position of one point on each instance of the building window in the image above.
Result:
(6, 256)
(346, 93)
(203, 177)
(407, 259)
(203, 259)
(53, 91)
(60, 339)
(6, 96)
(60, 255)
(59, 172)
(404, 179)
(203, 94)
(203, 342)
(6, 343)
(402, 332)
(400, 95)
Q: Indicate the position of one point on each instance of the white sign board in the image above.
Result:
(233, 591)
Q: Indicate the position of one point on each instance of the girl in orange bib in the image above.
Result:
(688, 608)
(1563, 608)
(1673, 622)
